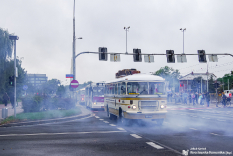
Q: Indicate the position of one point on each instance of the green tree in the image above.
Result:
(49, 87)
(61, 91)
(169, 74)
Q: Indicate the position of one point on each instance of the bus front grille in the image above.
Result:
(148, 106)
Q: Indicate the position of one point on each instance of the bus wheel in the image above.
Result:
(159, 122)
(108, 114)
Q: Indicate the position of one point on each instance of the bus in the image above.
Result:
(137, 96)
(95, 95)
(81, 96)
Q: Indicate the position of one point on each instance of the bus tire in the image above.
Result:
(122, 120)
(159, 122)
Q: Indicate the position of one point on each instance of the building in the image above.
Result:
(187, 81)
(37, 79)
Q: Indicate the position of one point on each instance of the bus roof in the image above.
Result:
(138, 77)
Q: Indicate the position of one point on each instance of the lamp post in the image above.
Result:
(183, 37)
(14, 38)
(126, 29)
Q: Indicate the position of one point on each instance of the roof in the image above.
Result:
(138, 77)
(191, 76)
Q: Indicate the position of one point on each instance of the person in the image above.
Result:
(196, 97)
(224, 98)
(200, 99)
(208, 99)
(185, 95)
(193, 98)
(5, 98)
(190, 98)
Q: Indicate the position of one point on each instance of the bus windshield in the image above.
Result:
(98, 91)
(145, 88)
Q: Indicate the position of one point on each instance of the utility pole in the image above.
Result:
(14, 38)
(74, 69)
(183, 37)
(228, 84)
(126, 29)
(207, 79)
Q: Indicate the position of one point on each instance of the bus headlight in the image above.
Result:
(134, 107)
(94, 103)
(162, 106)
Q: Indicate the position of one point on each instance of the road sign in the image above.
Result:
(25, 87)
(69, 75)
(74, 83)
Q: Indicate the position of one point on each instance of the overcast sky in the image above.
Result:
(45, 30)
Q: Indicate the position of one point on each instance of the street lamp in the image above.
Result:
(14, 38)
(183, 37)
(126, 29)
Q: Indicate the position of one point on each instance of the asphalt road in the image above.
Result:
(197, 129)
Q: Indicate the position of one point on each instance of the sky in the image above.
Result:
(45, 30)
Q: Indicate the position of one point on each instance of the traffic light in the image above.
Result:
(137, 57)
(103, 56)
(201, 56)
(11, 80)
(171, 57)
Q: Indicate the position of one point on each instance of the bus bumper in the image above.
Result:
(159, 115)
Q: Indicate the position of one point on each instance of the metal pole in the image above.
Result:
(126, 40)
(228, 84)
(74, 72)
(183, 41)
(207, 79)
(201, 85)
(15, 78)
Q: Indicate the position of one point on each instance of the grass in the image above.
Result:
(51, 114)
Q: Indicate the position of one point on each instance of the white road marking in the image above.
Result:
(193, 129)
(136, 136)
(97, 117)
(101, 119)
(65, 133)
(112, 125)
(194, 116)
(191, 109)
(180, 126)
(106, 121)
(122, 129)
(213, 134)
(154, 145)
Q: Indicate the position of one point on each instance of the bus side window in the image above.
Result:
(115, 88)
(119, 89)
(123, 88)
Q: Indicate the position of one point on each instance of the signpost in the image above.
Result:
(74, 84)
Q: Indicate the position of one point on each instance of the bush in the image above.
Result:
(31, 103)
(36, 103)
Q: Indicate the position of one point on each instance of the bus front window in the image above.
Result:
(156, 88)
(137, 88)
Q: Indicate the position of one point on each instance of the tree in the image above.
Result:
(5, 47)
(61, 91)
(49, 87)
(170, 75)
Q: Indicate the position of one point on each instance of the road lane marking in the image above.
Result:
(180, 126)
(112, 125)
(193, 129)
(101, 119)
(136, 136)
(213, 134)
(97, 117)
(65, 133)
(154, 145)
(122, 129)
(106, 121)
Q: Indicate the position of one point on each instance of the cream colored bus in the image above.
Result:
(137, 96)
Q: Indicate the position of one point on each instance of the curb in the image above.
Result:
(85, 113)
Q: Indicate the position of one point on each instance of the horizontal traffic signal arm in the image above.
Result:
(88, 52)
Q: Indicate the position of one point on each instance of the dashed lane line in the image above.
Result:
(154, 145)
(136, 136)
(220, 120)
(112, 125)
(97, 117)
(122, 129)
(106, 121)
(101, 119)
(193, 129)
(213, 134)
